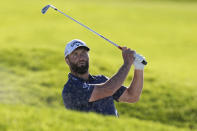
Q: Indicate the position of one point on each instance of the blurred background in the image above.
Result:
(33, 71)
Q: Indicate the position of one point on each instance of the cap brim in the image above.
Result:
(85, 47)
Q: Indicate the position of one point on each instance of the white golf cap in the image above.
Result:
(74, 44)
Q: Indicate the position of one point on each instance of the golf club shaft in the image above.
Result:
(143, 62)
(89, 29)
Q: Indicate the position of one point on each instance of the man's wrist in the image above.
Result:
(139, 66)
(138, 73)
(139, 69)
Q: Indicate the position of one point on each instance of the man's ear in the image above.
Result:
(67, 60)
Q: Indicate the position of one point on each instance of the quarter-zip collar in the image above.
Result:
(73, 77)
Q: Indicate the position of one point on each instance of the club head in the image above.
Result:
(44, 10)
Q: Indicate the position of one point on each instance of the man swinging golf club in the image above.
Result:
(85, 92)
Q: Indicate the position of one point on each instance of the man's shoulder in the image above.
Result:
(70, 85)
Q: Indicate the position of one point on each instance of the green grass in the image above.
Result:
(33, 71)
(44, 118)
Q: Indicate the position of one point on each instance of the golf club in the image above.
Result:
(44, 10)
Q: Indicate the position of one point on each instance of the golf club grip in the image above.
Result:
(120, 47)
(143, 62)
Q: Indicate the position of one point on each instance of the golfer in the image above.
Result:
(89, 93)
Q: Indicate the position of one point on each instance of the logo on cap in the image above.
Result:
(76, 43)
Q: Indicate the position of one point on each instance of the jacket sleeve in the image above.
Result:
(118, 93)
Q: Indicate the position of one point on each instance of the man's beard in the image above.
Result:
(80, 69)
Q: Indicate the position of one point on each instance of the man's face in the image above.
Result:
(78, 61)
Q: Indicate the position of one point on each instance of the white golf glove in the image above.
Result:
(138, 62)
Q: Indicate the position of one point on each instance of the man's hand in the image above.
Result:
(128, 56)
(138, 62)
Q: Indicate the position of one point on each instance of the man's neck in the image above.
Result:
(82, 76)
